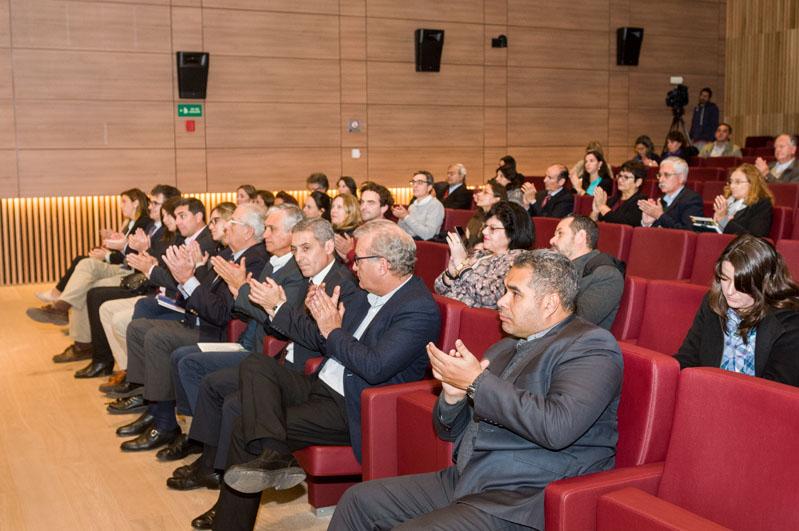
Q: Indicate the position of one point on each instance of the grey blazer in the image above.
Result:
(546, 410)
(790, 175)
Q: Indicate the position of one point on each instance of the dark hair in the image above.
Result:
(322, 201)
(166, 190)
(427, 175)
(349, 182)
(498, 189)
(676, 136)
(517, 223)
(645, 140)
(286, 198)
(134, 194)
(319, 179)
(761, 273)
(552, 273)
(508, 162)
(194, 205)
(637, 168)
(386, 199)
(266, 196)
(516, 179)
(168, 208)
(248, 189)
(603, 172)
(709, 92)
(589, 226)
(725, 124)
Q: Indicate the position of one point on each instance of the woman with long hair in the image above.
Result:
(746, 205)
(345, 216)
(485, 198)
(749, 321)
(595, 174)
(512, 181)
(317, 205)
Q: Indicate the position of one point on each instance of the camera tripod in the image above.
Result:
(678, 124)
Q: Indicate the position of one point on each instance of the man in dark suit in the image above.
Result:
(534, 410)
(678, 203)
(209, 306)
(554, 201)
(378, 340)
(453, 193)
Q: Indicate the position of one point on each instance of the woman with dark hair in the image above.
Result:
(645, 151)
(477, 279)
(317, 205)
(285, 197)
(595, 174)
(746, 205)
(749, 321)
(265, 198)
(623, 206)
(677, 146)
(512, 181)
(486, 197)
(346, 185)
(245, 194)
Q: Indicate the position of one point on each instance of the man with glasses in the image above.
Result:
(678, 203)
(554, 201)
(423, 218)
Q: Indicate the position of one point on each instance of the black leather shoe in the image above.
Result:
(205, 520)
(95, 369)
(186, 470)
(137, 427)
(125, 390)
(133, 404)
(270, 469)
(150, 440)
(180, 448)
(197, 479)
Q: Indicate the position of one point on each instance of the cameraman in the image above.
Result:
(705, 120)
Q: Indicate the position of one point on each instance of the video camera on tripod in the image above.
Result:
(677, 98)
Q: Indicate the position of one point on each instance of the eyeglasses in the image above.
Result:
(667, 174)
(626, 176)
(731, 182)
(492, 228)
(359, 258)
(215, 220)
(413, 182)
(232, 221)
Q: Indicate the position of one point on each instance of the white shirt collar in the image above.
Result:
(376, 301)
(453, 187)
(279, 261)
(320, 276)
(193, 236)
(670, 197)
(556, 191)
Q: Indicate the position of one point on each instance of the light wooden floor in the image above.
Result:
(60, 462)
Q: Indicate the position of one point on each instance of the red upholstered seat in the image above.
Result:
(544, 230)
(709, 247)
(235, 328)
(479, 329)
(786, 195)
(456, 218)
(711, 189)
(583, 204)
(720, 162)
(706, 174)
(657, 253)
(646, 409)
(759, 141)
(781, 223)
(614, 239)
(731, 461)
(789, 249)
(431, 260)
(627, 323)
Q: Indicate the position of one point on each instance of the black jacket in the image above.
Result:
(558, 206)
(678, 215)
(754, 219)
(160, 275)
(460, 199)
(628, 212)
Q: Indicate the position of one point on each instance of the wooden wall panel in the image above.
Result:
(6, 86)
(392, 40)
(538, 159)
(353, 38)
(425, 126)
(187, 30)
(535, 126)
(700, 17)
(556, 48)
(399, 83)
(680, 55)
(7, 132)
(394, 166)
(287, 6)
(353, 82)
(5, 36)
(574, 15)
(190, 170)
(444, 10)
(8, 173)
(549, 87)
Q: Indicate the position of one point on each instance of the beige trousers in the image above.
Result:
(116, 315)
(88, 274)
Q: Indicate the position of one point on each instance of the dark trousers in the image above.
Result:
(190, 365)
(148, 308)
(284, 411)
(62, 282)
(94, 298)
(421, 501)
(218, 407)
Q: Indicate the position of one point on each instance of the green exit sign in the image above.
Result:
(190, 110)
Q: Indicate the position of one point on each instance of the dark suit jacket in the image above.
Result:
(390, 351)
(160, 275)
(790, 175)
(559, 206)
(290, 278)
(775, 345)
(754, 219)
(296, 324)
(628, 212)
(117, 257)
(551, 416)
(212, 301)
(678, 215)
(460, 199)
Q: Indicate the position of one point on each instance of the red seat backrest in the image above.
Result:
(709, 247)
(733, 448)
(431, 260)
(537, 181)
(544, 230)
(669, 311)
(785, 194)
(583, 204)
(627, 324)
(781, 223)
(711, 189)
(479, 329)
(235, 328)
(706, 174)
(456, 218)
(789, 249)
(759, 141)
(650, 188)
(720, 162)
(614, 239)
(657, 253)
(450, 311)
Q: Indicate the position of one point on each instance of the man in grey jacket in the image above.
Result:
(423, 219)
(534, 410)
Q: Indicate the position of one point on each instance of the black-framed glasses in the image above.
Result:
(359, 258)
(417, 181)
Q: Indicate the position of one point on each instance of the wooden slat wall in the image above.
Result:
(762, 66)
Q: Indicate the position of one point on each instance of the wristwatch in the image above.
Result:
(473, 386)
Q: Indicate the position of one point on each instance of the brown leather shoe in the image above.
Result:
(116, 378)
(49, 314)
(75, 352)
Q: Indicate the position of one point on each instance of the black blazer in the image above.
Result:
(460, 199)
(775, 345)
(754, 219)
(160, 275)
(390, 351)
(678, 216)
(558, 206)
(295, 323)
(628, 212)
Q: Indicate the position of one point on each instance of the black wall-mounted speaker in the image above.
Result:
(628, 45)
(192, 74)
(429, 44)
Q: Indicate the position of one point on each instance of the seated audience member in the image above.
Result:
(512, 181)
(423, 218)
(596, 174)
(103, 267)
(245, 194)
(476, 279)
(705, 119)
(577, 170)
(674, 209)
(453, 192)
(346, 185)
(722, 146)
(317, 182)
(345, 215)
(623, 206)
(746, 205)
(265, 198)
(509, 163)
(376, 200)
(601, 283)
(677, 146)
(379, 340)
(485, 198)
(517, 424)
(784, 169)
(317, 205)
(749, 321)
(645, 151)
(283, 197)
(554, 201)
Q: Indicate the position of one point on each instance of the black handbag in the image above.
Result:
(136, 282)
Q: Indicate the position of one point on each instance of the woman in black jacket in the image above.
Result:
(623, 206)
(747, 203)
(749, 321)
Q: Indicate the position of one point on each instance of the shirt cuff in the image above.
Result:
(188, 287)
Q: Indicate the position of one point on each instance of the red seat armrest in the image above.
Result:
(632, 508)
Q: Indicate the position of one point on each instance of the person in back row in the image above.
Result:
(453, 192)
(423, 218)
(555, 200)
(784, 168)
(678, 203)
